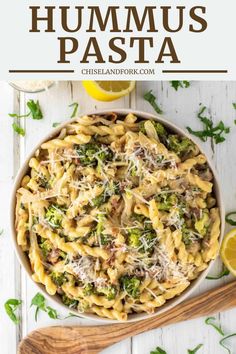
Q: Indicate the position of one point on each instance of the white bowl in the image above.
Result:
(23, 259)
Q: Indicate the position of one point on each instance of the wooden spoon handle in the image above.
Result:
(219, 299)
(93, 339)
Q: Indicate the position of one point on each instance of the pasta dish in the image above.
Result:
(117, 215)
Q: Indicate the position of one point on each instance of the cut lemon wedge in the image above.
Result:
(228, 251)
(108, 90)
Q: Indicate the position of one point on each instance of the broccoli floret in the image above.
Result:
(105, 239)
(109, 292)
(160, 129)
(99, 200)
(69, 302)
(58, 278)
(186, 235)
(54, 216)
(166, 201)
(88, 289)
(130, 285)
(142, 239)
(89, 154)
(150, 238)
(110, 189)
(134, 236)
(46, 248)
(180, 145)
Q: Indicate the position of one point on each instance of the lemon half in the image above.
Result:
(108, 90)
(228, 251)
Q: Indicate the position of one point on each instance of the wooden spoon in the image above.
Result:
(93, 339)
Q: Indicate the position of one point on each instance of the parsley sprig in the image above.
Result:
(193, 351)
(18, 129)
(74, 112)
(40, 302)
(149, 97)
(158, 350)
(34, 111)
(222, 274)
(211, 321)
(217, 133)
(11, 306)
(177, 84)
(230, 219)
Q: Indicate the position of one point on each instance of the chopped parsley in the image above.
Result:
(221, 342)
(222, 274)
(15, 115)
(234, 105)
(209, 130)
(35, 109)
(11, 306)
(55, 124)
(158, 350)
(74, 112)
(152, 100)
(40, 303)
(210, 321)
(228, 218)
(193, 351)
(177, 84)
(17, 128)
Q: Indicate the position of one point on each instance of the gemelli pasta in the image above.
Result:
(117, 215)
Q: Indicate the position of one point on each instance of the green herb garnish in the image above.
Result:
(222, 274)
(35, 109)
(40, 303)
(193, 351)
(209, 131)
(75, 105)
(177, 84)
(71, 315)
(158, 350)
(221, 342)
(17, 128)
(234, 105)
(55, 124)
(15, 115)
(11, 306)
(152, 100)
(229, 220)
(209, 321)
(1, 232)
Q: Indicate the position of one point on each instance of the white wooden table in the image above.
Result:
(180, 107)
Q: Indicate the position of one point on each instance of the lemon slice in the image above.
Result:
(228, 251)
(108, 90)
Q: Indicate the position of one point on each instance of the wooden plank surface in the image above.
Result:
(179, 107)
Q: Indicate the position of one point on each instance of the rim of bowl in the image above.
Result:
(24, 261)
(18, 88)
